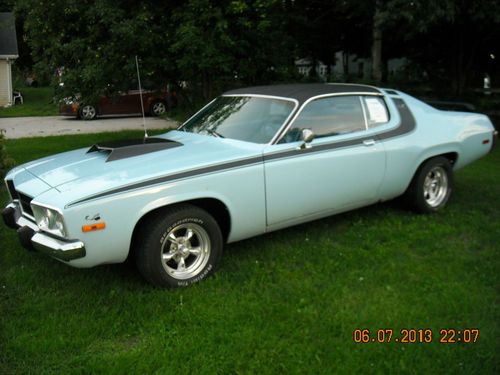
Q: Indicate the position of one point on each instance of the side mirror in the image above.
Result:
(306, 136)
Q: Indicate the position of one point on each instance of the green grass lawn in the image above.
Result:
(285, 302)
(38, 101)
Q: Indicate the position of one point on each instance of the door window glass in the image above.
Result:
(328, 117)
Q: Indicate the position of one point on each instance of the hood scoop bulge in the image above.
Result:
(128, 148)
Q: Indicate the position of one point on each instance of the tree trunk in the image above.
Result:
(207, 85)
(377, 44)
(464, 56)
(345, 64)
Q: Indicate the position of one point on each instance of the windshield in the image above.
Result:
(244, 118)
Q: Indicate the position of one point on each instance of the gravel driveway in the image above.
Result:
(22, 127)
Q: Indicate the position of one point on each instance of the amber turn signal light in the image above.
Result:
(93, 227)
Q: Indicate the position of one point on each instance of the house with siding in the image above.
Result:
(8, 53)
(346, 65)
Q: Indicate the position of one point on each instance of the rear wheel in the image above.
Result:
(431, 186)
(179, 247)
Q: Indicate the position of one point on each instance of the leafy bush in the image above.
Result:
(6, 162)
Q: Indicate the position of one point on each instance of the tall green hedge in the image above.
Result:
(6, 162)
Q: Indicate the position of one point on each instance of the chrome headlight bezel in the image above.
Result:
(49, 219)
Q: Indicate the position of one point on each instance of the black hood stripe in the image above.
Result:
(122, 149)
(406, 125)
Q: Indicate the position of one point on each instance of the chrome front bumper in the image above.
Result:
(32, 238)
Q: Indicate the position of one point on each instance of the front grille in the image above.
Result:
(25, 203)
(12, 189)
(24, 199)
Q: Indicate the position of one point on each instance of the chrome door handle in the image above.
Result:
(369, 142)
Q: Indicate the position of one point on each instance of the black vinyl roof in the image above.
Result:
(303, 91)
(8, 40)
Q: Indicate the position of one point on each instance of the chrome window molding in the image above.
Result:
(189, 119)
(356, 84)
(362, 102)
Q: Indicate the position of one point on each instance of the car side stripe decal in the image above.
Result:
(172, 177)
(406, 125)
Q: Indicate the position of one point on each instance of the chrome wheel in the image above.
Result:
(435, 186)
(185, 251)
(88, 112)
(159, 108)
(178, 246)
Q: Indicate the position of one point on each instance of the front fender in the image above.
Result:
(183, 198)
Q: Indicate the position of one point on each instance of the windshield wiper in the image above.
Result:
(214, 133)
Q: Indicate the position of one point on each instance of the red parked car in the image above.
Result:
(155, 103)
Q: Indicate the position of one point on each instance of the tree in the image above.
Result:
(236, 40)
(208, 45)
(444, 37)
(94, 43)
(321, 28)
(191, 41)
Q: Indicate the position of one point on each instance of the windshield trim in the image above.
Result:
(292, 112)
(201, 109)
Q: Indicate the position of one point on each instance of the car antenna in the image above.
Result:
(140, 94)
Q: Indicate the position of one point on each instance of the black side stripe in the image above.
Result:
(316, 148)
(406, 125)
(172, 177)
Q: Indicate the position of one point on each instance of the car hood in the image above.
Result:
(91, 170)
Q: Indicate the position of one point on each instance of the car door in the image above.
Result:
(131, 102)
(113, 104)
(343, 167)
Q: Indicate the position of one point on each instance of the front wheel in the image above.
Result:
(179, 247)
(431, 186)
(158, 108)
(88, 112)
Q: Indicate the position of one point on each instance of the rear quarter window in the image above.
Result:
(376, 111)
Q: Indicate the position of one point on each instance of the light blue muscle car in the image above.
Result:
(252, 161)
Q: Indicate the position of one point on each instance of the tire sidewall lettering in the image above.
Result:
(197, 278)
